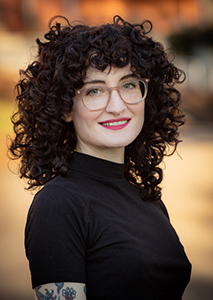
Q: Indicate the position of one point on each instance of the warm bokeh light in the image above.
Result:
(187, 187)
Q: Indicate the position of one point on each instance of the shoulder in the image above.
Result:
(57, 208)
(58, 196)
(59, 189)
(161, 206)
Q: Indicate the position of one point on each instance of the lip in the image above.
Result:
(123, 123)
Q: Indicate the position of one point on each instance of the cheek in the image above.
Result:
(79, 114)
(139, 117)
(83, 119)
(139, 113)
(80, 123)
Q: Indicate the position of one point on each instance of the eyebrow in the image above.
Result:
(102, 81)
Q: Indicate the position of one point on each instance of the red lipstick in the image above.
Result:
(115, 124)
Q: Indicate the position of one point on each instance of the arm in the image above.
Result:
(61, 291)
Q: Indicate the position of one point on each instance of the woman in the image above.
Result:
(97, 112)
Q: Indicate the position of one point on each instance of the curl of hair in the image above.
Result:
(45, 142)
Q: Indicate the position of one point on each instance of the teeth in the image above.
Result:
(115, 123)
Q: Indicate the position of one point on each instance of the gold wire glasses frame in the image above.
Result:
(97, 97)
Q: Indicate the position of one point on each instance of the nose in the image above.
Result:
(115, 105)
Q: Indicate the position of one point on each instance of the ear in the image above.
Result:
(67, 117)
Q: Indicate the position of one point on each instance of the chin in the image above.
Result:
(120, 144)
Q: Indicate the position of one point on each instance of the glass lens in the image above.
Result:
(95, 97)
(132, 91)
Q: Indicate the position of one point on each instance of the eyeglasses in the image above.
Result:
(132, 91)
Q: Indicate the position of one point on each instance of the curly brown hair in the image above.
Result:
(45, 142)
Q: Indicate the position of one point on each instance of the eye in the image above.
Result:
(129, 85)
(92, 92)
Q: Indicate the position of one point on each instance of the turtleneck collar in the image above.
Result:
(97, 167)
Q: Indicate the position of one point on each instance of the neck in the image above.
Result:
(111, 154)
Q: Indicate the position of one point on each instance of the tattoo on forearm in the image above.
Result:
(48, 295)
(59, 286)
(67, 294)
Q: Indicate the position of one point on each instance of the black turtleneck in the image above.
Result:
(93, 227)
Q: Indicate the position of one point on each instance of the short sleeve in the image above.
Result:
(55, 237)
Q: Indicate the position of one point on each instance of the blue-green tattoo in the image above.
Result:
(67, 294)
(48, 295)
(85, 291)
(59, 286)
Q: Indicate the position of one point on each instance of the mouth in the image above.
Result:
(115, 124)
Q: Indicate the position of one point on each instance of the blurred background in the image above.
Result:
(183, 25)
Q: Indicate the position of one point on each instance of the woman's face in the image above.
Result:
(97, 132)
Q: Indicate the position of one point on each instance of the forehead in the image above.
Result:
(113, 72)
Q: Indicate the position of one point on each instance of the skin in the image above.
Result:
(96, 139)
(60, 291)
(92, 137)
